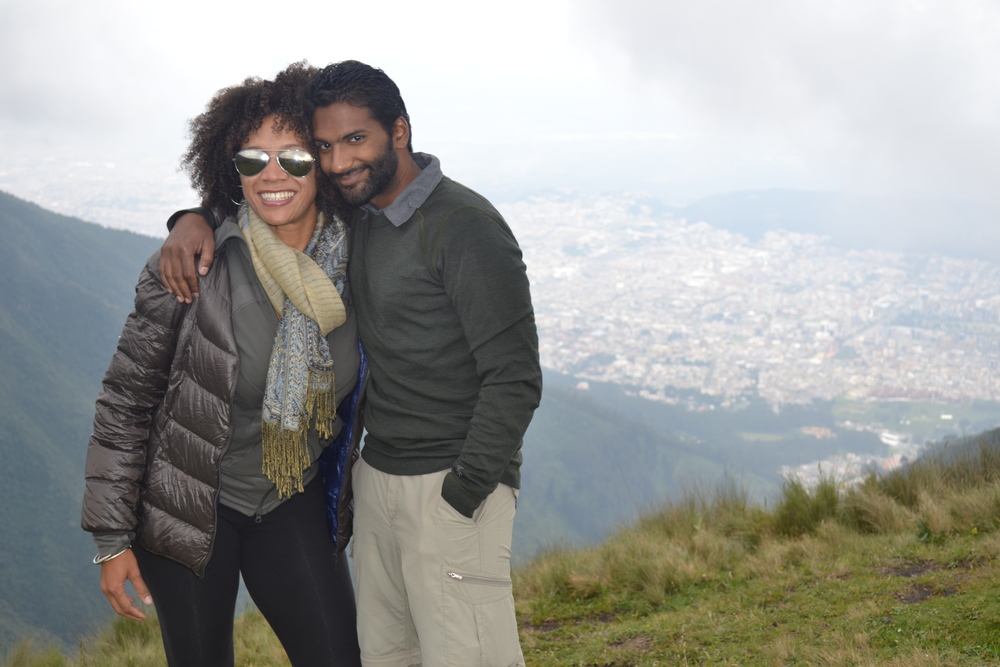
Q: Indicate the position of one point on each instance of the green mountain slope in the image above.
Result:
(67, 288)
(589, 468)
(899, 571)
(750, 438)
(593, 459)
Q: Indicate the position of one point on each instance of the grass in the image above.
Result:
(899, 570)
(127, 643)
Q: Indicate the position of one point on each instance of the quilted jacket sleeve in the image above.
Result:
(133, 387)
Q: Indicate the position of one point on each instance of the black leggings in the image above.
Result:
(287, 562)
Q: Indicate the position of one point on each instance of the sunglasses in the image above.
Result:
(252, 161)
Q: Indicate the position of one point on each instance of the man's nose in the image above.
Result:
(336, 160)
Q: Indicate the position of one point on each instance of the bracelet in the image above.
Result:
(98, 559)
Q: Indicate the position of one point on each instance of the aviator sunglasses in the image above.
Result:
(252, 161)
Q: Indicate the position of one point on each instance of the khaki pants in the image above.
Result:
(433, 587)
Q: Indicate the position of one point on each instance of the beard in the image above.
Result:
(381, 173)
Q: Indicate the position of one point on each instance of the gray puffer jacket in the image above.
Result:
(164, 419)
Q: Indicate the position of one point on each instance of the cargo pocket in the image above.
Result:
(479, 617)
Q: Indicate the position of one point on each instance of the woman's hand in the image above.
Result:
(114, 574)
(190, 237)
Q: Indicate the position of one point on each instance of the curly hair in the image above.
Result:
(232, 115)
(361, 86)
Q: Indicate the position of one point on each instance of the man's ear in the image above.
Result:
(400, 133)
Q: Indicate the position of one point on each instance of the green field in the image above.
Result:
(922, 420)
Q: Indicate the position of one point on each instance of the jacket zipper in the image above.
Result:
(472, 579)
(229, 440)
(258, 513)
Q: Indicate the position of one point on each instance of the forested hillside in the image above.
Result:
(67, 288)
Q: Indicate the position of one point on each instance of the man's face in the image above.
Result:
(357, 154)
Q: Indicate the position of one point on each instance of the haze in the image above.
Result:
(678, 100)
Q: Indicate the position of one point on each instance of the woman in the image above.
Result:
(204, 461)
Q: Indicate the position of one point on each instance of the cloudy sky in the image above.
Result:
(674, 99)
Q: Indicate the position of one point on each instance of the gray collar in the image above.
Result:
(227, 230)
(416, 193)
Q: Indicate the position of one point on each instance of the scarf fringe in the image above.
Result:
(285, 458)
(321, 402)
(286, 453)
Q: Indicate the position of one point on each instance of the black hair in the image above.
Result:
(234, 114)
(361, 86)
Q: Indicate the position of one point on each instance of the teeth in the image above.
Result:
(276, 196)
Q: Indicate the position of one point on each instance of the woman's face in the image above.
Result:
(286, 203)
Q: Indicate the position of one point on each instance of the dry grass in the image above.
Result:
(896, 571)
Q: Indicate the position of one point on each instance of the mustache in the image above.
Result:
(350, 172)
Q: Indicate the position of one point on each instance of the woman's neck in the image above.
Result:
(298, 235)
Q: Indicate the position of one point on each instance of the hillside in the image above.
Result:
(594, 459)
(590, 468)
(899, 571)
(67, 287)
(750, 437)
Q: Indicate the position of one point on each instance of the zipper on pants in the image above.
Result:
(472, 579)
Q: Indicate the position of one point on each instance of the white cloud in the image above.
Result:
(888, 93)
(678, 99)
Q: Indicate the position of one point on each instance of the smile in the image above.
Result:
(276, 196)
(351, 177)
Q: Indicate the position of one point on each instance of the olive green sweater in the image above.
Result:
(444, 312)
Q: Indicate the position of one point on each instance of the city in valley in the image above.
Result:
(628, 296)
(674, 307)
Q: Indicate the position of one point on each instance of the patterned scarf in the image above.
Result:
(304, 289)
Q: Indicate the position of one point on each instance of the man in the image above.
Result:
(445, 314)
